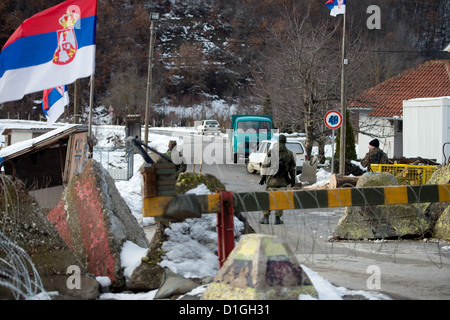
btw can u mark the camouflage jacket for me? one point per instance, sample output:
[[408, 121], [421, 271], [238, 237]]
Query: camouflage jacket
[[177, 159], [279, 180], [374, 156]]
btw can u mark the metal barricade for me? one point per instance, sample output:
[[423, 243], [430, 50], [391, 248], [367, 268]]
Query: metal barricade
[[103, 155], [406, 174]]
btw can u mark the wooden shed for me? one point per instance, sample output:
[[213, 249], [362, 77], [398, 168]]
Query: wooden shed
[[46, 163]]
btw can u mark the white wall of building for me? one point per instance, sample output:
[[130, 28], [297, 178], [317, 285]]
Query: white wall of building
[[387, 131], [426, 127], [20, 135]]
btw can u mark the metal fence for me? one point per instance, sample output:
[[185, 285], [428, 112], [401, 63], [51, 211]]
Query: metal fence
[[406, 174], [119, 162]]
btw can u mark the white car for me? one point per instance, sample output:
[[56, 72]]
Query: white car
[[208, 126], [256, 158]]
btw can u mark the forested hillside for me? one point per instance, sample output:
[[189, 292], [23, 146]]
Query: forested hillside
[[275, 53]]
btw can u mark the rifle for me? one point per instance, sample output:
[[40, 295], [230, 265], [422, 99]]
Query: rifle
[[137, 144], [282, 172]]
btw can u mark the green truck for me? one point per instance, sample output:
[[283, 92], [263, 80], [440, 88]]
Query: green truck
[[246, 133]]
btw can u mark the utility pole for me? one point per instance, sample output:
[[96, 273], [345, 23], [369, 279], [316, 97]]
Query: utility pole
[[153, 17], [343, 106]]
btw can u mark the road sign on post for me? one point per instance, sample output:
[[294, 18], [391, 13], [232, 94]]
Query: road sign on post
[[333, 119]]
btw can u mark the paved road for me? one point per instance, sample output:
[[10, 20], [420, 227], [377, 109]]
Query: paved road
[[401, 269], [407, 269]]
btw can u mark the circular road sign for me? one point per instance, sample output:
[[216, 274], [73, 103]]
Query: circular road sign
[[333, 119]]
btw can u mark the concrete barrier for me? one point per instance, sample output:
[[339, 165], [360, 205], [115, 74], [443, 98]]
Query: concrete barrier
[[260, 267], [95, 221]]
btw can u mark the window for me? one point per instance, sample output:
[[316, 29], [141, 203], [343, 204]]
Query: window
[[296, 148], [263, 147], [255, 125]]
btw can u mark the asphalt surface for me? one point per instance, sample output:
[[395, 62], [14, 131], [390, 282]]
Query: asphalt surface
[[400, 269]]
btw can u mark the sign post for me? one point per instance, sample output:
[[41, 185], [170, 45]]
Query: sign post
[[333, 120]]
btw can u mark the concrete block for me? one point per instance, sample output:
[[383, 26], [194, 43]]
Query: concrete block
[[261, 267]]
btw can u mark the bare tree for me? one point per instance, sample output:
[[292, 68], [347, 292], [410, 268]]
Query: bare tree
[[300, 72], [127, 88]]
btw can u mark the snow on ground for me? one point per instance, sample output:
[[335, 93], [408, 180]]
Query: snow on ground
[[188, 255], [191, 254], [201, 240]]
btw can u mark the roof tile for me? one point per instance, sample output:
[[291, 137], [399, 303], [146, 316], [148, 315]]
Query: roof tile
[[428, 80]]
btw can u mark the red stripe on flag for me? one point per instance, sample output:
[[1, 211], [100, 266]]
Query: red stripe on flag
[[49, 19], [45, 98]]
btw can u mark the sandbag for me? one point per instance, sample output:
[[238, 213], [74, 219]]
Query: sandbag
[[174, 284], [183, 206]]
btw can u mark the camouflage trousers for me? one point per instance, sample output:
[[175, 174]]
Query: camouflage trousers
[[278, 213]]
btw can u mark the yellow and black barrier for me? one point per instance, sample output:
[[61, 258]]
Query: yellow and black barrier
[[309, 199], [225, 203]]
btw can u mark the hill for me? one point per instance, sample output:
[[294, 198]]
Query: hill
[[221, 50]]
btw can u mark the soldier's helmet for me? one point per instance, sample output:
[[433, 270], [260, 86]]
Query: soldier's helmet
[[282, 139], [172, 143]]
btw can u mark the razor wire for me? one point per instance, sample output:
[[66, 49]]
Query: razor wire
[[310, 234], [17, 271]]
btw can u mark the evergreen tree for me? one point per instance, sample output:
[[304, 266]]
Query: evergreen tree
[[350, 150]]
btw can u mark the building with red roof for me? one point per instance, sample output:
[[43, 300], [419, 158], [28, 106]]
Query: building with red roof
[[380, 108]]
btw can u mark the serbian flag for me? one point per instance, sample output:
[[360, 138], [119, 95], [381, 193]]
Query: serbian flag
[[336, 7], [53, 103], [52, 48]]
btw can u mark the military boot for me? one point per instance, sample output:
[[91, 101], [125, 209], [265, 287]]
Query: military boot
[[278, 220], [265, 219]]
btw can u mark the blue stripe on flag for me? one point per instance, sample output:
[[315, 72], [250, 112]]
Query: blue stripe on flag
[[39, 49]]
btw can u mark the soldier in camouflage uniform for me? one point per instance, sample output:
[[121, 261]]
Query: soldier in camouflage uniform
[[375, 155], [283, 177], [177, 157]]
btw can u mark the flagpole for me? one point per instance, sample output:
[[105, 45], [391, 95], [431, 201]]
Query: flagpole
[[343, 106], [76, 102], [91, 103]]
